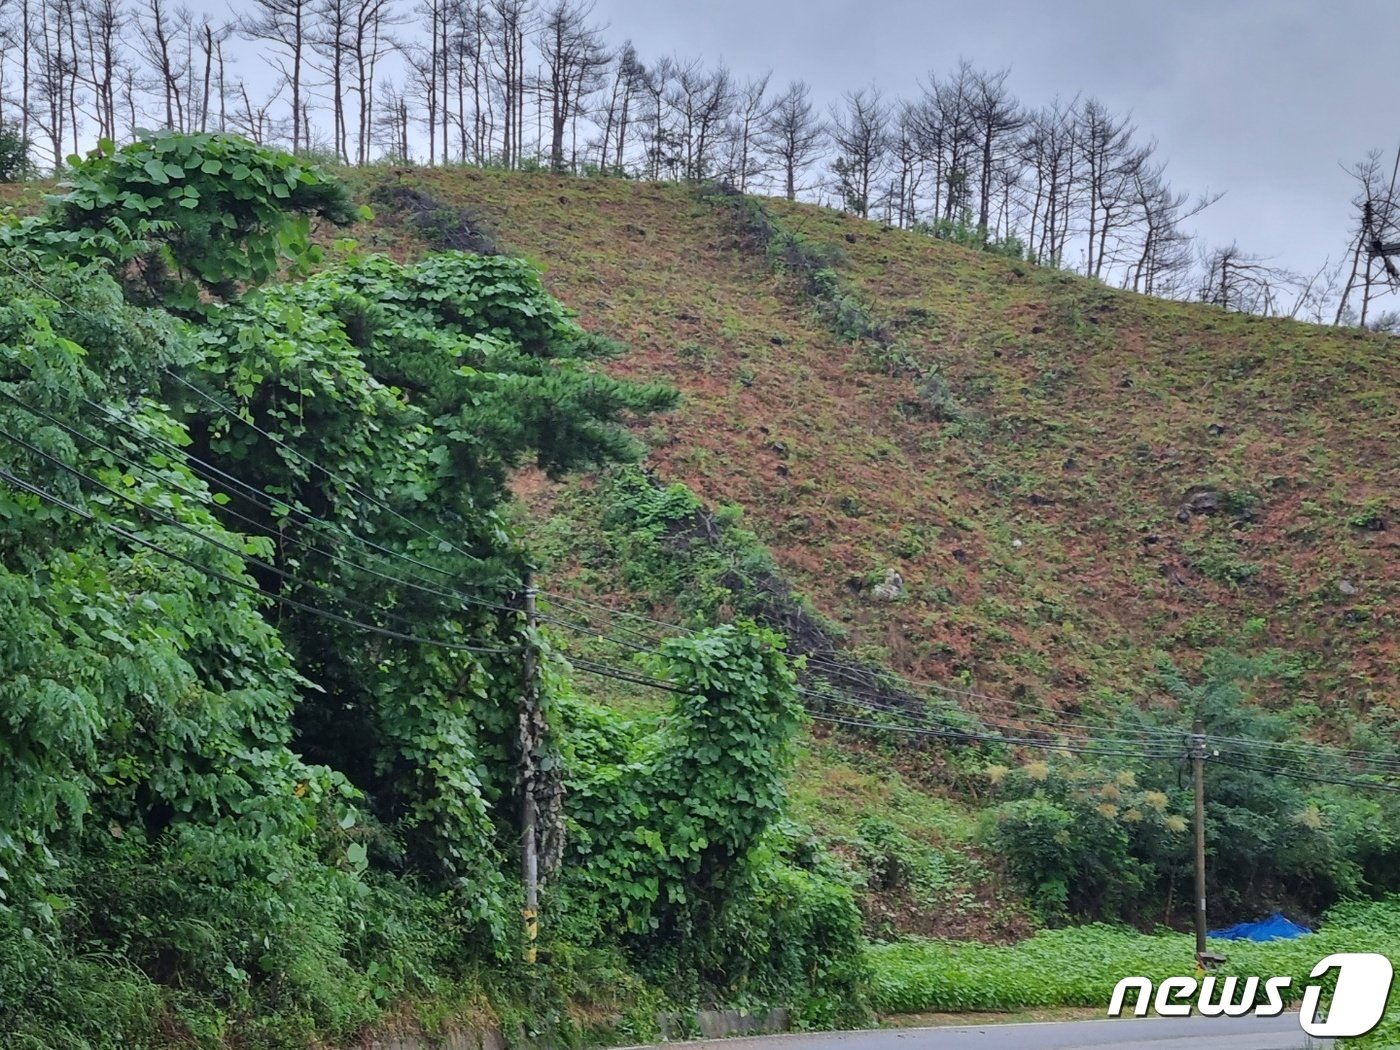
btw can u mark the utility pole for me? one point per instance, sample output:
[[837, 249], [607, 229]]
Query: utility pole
[[1198, 763], [530, 727]]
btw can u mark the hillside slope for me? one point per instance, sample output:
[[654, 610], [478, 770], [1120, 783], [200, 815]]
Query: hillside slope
[[1073, 483]]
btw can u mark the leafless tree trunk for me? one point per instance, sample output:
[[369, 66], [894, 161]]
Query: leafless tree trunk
[[102, 24], [1164, 252], [1111, 163], [909, 167], [330, 36], [159, 30], [26, 47], [860, 130], [53, 70], [627, 82], [425, 68], [284, 25], [997, 116], [255, 121], [662, 151], [1048, 146], [702, 102], [8, 41], [947, 128], [1235, 280], [391, 123], [210, 41], [574, 60], [511, 21], [754, 110], [223, 84], [1377, 224], [367, 41], [793, 134]]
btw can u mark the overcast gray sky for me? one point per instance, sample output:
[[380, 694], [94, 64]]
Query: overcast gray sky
[[1260, 98]]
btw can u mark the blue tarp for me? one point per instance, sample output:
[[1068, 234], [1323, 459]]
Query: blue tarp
[[1274, 928]]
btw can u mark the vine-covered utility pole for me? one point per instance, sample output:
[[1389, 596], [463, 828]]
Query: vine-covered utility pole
[[531, 737]]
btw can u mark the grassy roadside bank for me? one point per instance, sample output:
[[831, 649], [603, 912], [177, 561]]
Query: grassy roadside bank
[[1079, 967]]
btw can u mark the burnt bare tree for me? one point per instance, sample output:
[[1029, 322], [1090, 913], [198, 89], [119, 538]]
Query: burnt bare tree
[[53, 66], [901, 198], [996, 117], [100, 26], [628, 85], [860, 132], [753, 107], [252, 116], [1163, 256], [159, 30], [1376, 228], [1233, 279], [391, 123], [209, 40], [575, 59], [427, 66], [701, 101], [330, 40], [467, 58], [1111, 163], [663, 153], [511, 21], [1048, 149], [793, 135], [286, 27], [370, 40], [9, 41], [944, 123]]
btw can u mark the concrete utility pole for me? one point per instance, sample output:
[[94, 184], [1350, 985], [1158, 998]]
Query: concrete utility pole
[[1198, 763]]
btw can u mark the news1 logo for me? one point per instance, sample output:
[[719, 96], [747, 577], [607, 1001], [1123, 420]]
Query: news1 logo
[[1357, 1006]]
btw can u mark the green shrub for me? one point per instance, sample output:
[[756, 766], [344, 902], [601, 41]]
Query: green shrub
[[15, 162], [796, 940]]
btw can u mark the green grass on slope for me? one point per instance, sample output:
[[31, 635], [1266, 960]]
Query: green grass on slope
[[1020, 453], [1079, 420], [913, 856]]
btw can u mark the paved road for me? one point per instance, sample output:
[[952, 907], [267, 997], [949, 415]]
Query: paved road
[[1151, 1033]]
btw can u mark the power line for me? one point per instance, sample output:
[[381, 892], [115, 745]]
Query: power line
[[255, 496], [349, 485], [877, 702], [827, 668], [604, 671], [211, 473], [1151, 736], [568, 599], [180, 525], [1040, 744], [224, 577], [1310, 777], [1093, 745], [862, 678], [1305, 750]]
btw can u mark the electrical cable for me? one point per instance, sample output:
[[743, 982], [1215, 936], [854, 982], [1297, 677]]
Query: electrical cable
[[206, 498], [226, 578]]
